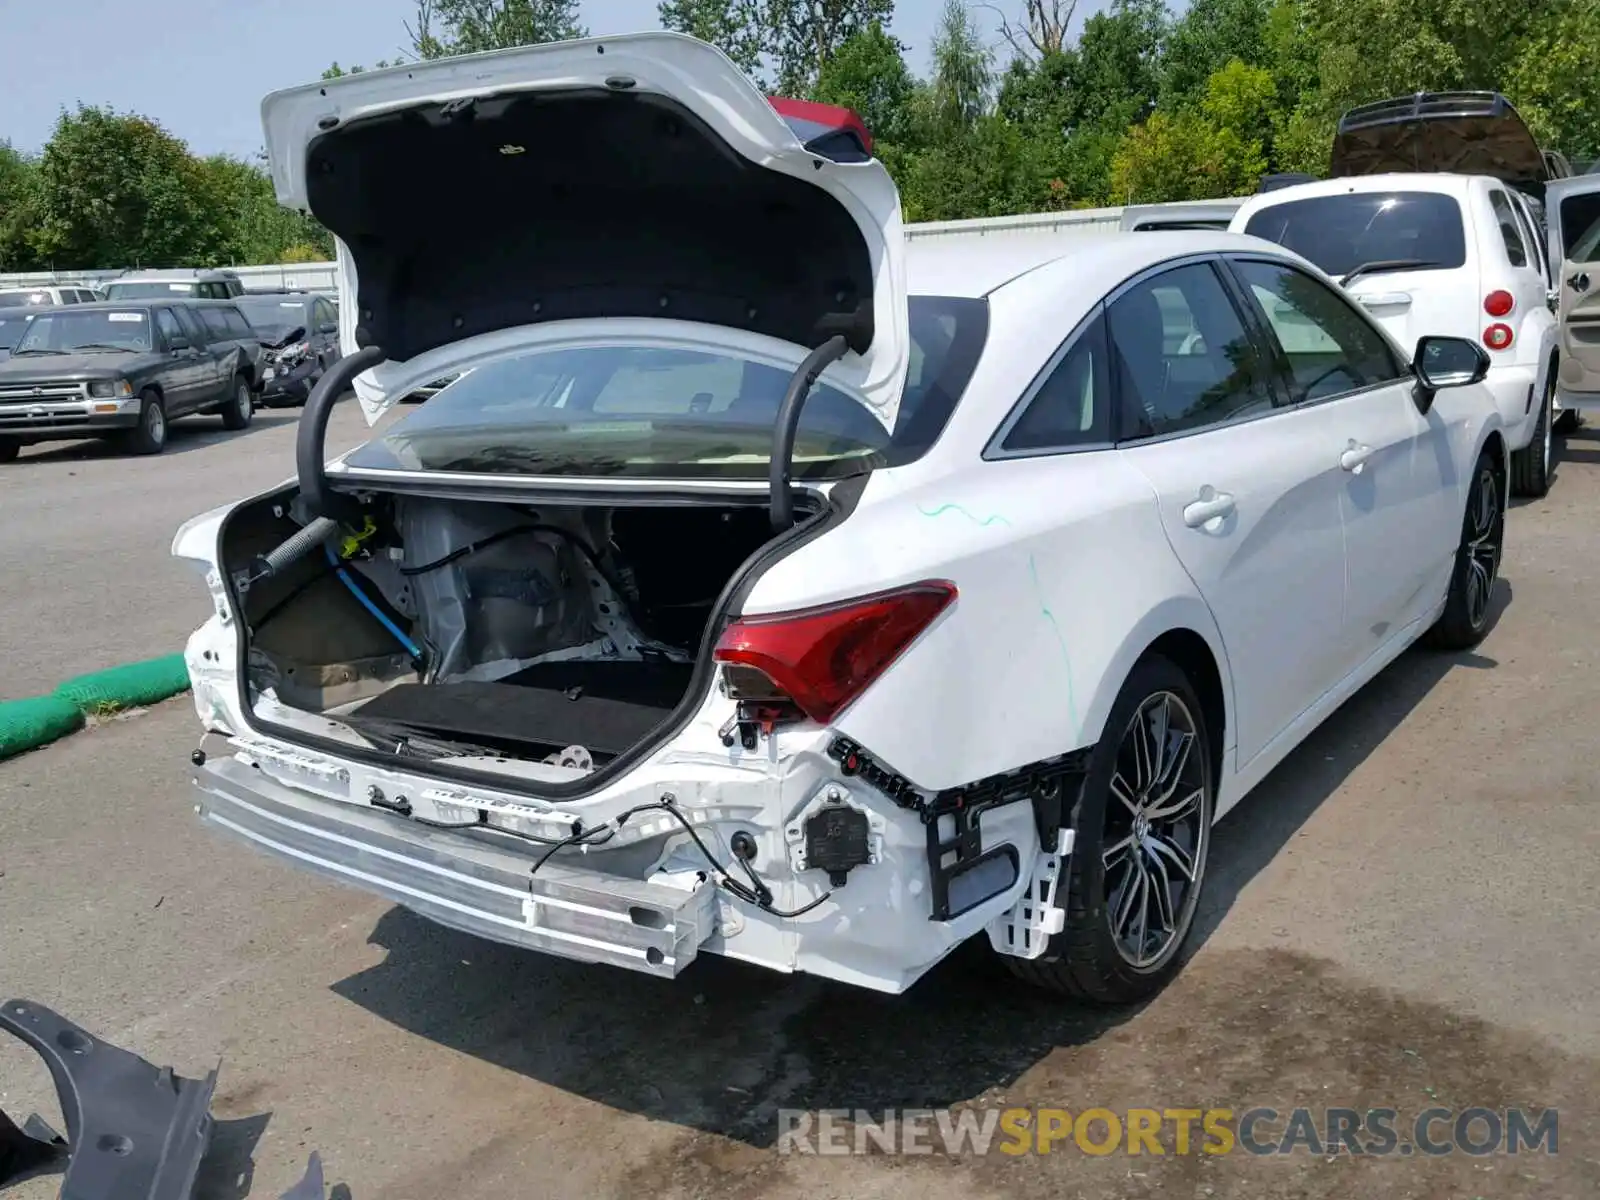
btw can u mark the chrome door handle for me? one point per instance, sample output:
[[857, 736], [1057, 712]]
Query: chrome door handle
[[1354, 458], [1208, 507]]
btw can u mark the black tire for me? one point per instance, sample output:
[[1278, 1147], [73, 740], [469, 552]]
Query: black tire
[[1530, 466], [241, 405], [1084, 961], [1567, 421], [150, 435], [9, 450], [1465, 619]]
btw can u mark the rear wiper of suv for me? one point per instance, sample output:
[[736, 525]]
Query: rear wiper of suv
[[1386, 264]]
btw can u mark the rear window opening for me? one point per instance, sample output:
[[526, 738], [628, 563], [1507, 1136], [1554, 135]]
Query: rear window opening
[[1340, 233], [624, 410]]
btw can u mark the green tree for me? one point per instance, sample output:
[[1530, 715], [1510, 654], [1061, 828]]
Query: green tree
[[739, 28], [19, 203], [117, 189], [804, 35], [256, 228], [1555, 79], [1205, 39], [963, 69], [1169, 157], [869, 75], [1118, 74], [446, 27]]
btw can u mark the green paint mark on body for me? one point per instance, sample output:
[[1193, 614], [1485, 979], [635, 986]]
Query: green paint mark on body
[[1066, 658], [995, 519]]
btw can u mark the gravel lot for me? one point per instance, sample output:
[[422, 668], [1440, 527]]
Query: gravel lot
[[1402, 915]]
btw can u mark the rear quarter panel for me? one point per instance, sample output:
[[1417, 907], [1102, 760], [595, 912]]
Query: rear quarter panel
[[1064, 575]]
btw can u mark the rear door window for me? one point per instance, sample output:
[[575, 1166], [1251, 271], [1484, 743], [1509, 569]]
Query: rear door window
[[1413, 230], [1182, 357], [192, 328], [216, 325]]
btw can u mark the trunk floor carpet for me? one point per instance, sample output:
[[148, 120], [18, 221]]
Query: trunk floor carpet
[[604, 707]]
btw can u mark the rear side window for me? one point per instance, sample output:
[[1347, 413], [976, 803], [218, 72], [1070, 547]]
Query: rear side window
[[1340, 233], [1580, 228], [1073, 405], [1506, 219]]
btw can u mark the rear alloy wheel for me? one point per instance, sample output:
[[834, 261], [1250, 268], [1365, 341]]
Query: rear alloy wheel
[[1530, 466], [150, 435], [1465, 619], [237, 412], [1142, 828]]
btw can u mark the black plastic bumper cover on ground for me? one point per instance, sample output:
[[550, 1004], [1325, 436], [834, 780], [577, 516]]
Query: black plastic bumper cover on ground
[[135, 1131]]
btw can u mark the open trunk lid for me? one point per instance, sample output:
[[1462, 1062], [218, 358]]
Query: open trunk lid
[[488, 202], [1460, 133]]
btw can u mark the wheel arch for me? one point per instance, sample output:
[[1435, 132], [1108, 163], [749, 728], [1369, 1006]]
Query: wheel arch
[[1180, 629]]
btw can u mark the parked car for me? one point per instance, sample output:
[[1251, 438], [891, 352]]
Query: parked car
[[45, 296], [12, 322], [860, 599], [1439, 253], [121, 370], [175, 284], [300, 333], [1183, 214]]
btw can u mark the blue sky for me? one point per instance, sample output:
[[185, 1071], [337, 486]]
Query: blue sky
[[200, 67]]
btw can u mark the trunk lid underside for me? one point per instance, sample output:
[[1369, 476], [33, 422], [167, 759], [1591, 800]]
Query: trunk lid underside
[[639, 176]]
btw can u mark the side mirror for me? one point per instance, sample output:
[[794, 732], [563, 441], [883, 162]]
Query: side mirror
[[1447, 362], [175, 344], [328, 327]]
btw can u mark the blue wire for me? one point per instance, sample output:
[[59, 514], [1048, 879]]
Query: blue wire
[[411, 647]]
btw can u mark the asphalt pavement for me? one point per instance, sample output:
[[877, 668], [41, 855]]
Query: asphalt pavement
[[85, 533], [1402, 915]]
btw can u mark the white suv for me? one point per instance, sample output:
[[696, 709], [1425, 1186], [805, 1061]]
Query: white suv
[[1438, 254], [47, 295]]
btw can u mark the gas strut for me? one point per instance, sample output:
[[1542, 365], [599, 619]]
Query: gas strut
[[325, 508], [783, 434]]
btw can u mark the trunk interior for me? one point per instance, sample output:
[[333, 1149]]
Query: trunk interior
[[555, 633]]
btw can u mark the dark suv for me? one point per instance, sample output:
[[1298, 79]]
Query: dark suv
[[124, 370], [300, 335]]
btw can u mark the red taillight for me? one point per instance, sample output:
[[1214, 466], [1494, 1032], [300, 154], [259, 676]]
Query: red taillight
[[1498, 336], [1499, 303], [823, 658], [818, 125]]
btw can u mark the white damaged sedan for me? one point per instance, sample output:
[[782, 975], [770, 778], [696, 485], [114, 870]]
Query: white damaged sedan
[[762, 588]]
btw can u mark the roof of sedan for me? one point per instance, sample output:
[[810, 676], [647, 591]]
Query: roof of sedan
[[959, 268]]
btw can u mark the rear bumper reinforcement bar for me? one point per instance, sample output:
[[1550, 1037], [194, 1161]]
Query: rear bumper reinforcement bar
[[472, 882]]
